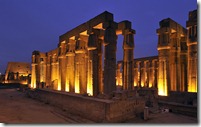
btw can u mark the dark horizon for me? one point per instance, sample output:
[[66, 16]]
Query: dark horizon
[[37, 25]]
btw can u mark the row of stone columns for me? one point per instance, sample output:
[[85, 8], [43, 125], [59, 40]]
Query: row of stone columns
[[77, 66], [145, 73]]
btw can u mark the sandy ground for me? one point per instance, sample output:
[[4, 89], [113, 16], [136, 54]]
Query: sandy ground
[[16, 107]]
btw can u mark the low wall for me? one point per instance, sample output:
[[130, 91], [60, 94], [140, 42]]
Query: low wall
[[186, 98], [98, 110], [180, 108]]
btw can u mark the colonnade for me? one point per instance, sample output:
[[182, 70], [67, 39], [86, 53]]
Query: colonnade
[[77, 65]]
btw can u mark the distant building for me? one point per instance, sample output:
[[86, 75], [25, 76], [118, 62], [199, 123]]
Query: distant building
[[18, 72]]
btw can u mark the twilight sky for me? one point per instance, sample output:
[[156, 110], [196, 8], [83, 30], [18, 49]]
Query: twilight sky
[[28, 25]]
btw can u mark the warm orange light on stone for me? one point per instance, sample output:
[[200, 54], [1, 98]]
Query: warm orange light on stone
[[67, 86], [192, 87], [90, 89], [162, 88], [59, 86], [77, 87]]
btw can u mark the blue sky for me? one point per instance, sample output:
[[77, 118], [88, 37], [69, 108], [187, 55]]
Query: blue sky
[[28, 25]]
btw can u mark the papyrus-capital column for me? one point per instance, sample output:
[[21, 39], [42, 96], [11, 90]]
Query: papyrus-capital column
[[110, 41], [128, 65], [70, 66], [80, 67]]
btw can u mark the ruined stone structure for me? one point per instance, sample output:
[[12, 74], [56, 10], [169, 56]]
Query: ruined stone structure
[[175, 67], [18, 72], [145, 72], [172, 52], [77, 66], [192, 44]]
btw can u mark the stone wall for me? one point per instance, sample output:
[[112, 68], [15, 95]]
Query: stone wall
[[98, 110], [186, 98], [179, 108]]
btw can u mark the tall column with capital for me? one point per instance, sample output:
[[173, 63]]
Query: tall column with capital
[[80, 67], [192, 44], [62, 65], [128, 65], [93, 75], [70, 66], [110, 41]]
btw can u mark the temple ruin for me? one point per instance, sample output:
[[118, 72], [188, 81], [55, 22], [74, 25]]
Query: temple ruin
[[76, 64], [175, 67], [85, 60]]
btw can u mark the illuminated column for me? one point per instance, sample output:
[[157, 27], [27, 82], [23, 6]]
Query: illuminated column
[[163, 57], [110, 40], [34, 71], [93, 76], [139, 73], [80, 67], [192, 44], [42, 71], [33, 75], [175, 64], [142, 74], [54, 72], [156, 73], [135, 74], [151, 74], [128, 47], [70, 67], [48, 72], [118, 74], [146, 73], [62, 65]]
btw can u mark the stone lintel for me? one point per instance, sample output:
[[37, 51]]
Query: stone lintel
[[110, 24], [103, 17], [172, 25]]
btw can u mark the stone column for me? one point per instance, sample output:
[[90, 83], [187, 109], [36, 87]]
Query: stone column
[[54, 73], [142, 74], [110, 40], [100, 66], [175, 72], [192, 44], [128, 47], [135, 74], [139, 74], [33, 75], [62, 65], [93, 77], [163, 57], [155, 73], [48, 72], [34, 71], [118, 74], [146, 73], [80, 66], [70, 67]]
